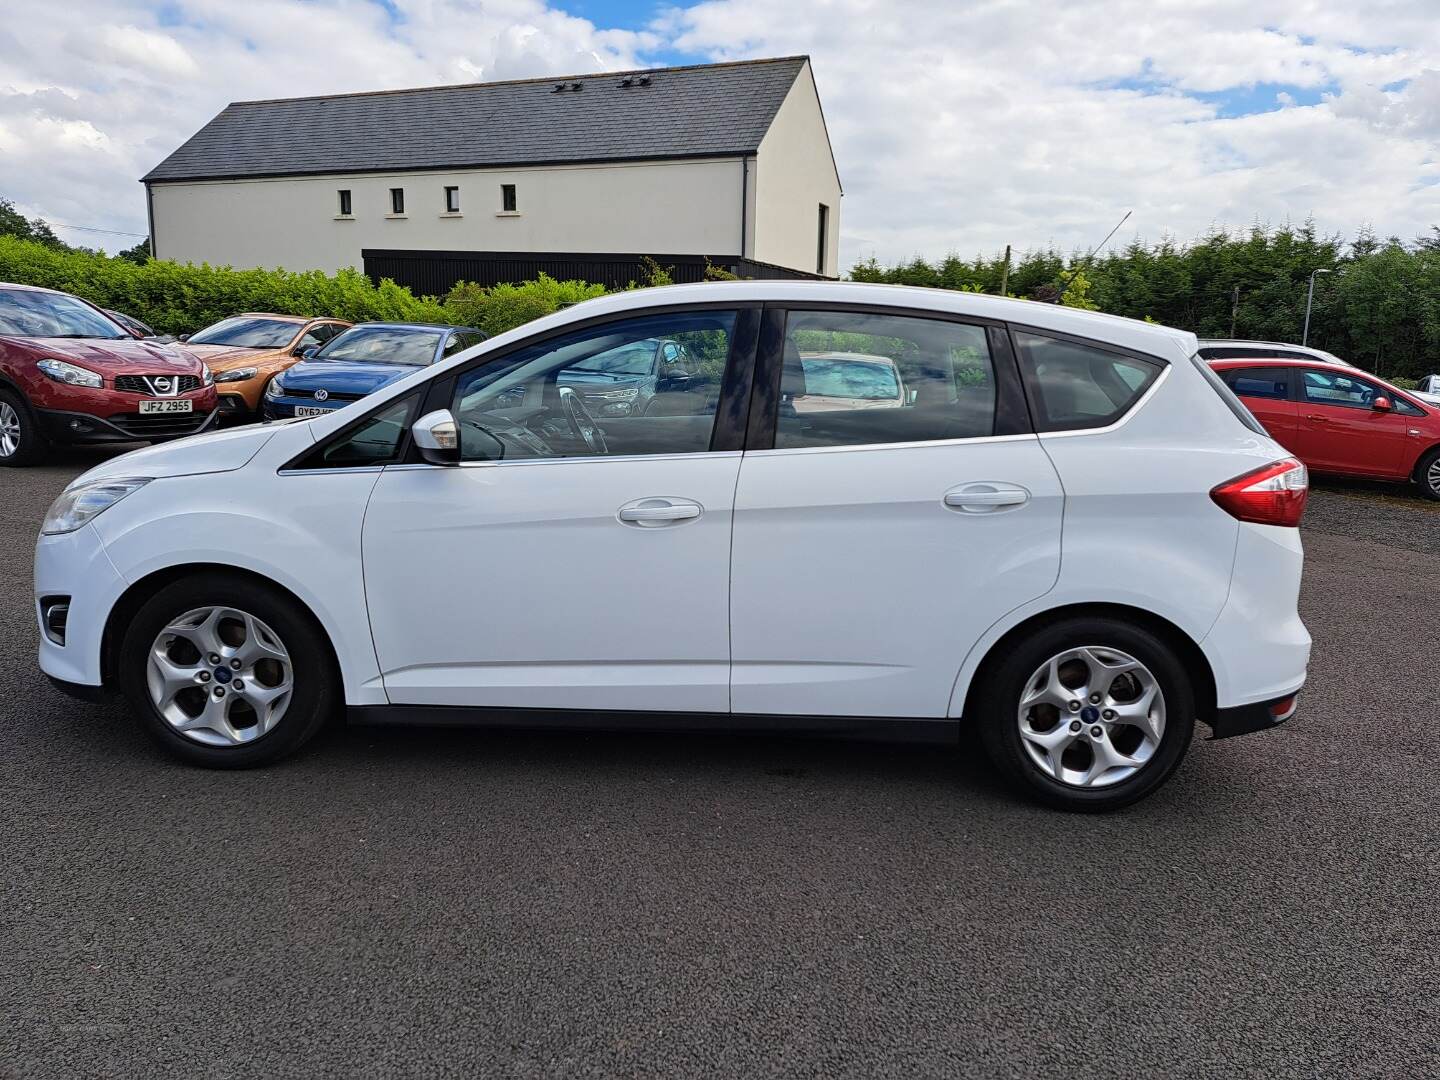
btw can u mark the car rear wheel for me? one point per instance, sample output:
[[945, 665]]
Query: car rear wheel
[[227, 673], [21, 441], [1088, 714]]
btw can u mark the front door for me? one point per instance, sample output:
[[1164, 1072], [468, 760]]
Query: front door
[[573, 561], [888, 527], [1340, 430]]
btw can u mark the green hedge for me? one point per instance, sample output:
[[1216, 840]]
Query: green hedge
[[178, 298]]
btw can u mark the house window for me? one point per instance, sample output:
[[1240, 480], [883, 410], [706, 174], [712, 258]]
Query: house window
[[507, 198], [344, 203], [397, 200], [452, 200], [820, 252]]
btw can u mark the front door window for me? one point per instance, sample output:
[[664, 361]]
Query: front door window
[[598, 392]]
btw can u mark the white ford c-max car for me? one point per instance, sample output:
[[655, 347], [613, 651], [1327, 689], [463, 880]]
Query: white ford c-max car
[[1070, 539]]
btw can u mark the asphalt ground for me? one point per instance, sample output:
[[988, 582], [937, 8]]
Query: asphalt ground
[[406, 903]]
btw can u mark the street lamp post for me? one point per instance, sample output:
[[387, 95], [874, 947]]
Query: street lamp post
[[1310, 299]]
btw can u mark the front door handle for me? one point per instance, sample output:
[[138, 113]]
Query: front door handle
[[1317, 418], [986, 497], [658, 512]]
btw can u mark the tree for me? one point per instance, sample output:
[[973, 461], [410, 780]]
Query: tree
[[14, 223], [139, 254]]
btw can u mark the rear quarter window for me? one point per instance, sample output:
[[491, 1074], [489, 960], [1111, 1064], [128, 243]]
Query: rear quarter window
[[1073, 386], [1233, 403]]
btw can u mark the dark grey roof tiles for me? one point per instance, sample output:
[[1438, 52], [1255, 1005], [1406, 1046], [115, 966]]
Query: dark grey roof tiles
[[706, 110]]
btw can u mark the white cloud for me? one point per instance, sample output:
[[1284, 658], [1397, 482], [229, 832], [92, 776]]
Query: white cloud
[[958, 124]]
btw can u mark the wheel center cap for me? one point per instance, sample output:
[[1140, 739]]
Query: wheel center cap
[[222, 674], [1090, 714]]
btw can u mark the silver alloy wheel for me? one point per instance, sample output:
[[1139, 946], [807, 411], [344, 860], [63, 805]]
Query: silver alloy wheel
[[1091, 717], [1432, 474], [219, 676], [9, 429]]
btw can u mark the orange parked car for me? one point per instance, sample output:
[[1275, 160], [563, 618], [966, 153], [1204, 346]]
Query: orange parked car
[[246, 351]]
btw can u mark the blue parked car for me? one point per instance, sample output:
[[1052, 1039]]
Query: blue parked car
[[358, 362]]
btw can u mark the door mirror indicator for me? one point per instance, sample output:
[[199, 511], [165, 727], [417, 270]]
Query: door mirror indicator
[[437, 437], [1382, 404]]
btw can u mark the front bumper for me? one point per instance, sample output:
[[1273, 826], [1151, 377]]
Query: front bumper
[[75, 565], [74, 427], [284, 408]]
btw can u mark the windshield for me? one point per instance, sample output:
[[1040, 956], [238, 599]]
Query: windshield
[[849, 379], [52, 315], [636, 358], [249, 332], [383, 345]]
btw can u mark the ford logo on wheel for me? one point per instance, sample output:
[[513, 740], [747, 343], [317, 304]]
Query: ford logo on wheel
[[321, 395]]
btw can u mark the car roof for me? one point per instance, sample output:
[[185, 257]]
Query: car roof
[[1152, 338], [31, 288]]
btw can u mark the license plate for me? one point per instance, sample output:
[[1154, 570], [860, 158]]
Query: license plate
[[310, 410], [173, 405]]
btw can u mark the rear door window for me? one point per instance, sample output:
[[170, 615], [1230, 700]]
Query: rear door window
[[1259, 382], [851, 378], [1073, 386]]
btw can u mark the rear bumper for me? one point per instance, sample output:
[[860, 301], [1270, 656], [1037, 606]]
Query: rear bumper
[[1258, 648], [1259, 716]]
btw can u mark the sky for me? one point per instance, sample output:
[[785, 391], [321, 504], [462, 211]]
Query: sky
[[958, 125]]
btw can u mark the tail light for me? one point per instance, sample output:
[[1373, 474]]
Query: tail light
[[1272, 495]]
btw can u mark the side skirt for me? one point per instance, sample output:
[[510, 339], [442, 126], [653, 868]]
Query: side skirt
[[945, 731]]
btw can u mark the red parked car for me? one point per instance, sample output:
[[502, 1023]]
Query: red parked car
[[1340, 420], [71, 374]]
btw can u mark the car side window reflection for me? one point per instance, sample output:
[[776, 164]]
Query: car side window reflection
[[855, 378], [605, 391], [377, 440]]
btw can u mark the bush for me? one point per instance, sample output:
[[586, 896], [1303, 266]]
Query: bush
[[179, 299], [504, 307]]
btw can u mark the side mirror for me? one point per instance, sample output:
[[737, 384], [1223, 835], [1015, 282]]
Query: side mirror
[[183, 337], [308, 352], [437, 437], [1382, 404]]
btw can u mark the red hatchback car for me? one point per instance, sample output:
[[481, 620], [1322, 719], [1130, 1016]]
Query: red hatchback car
[[1339, 420], [71, 374]]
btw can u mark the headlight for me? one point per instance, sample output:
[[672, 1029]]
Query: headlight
[[81, 503], [239, 374], [60, 371], [209, 376], [275, 388]]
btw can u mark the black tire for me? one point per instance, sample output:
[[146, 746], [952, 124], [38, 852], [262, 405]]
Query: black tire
[[998, 703], [316, 693], [1429, 482], [34, 446]]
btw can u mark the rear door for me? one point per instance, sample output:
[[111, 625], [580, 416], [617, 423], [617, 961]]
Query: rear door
[[1340, 430], [1266, 390], [878, 535]]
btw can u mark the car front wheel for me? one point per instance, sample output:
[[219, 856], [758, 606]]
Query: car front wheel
[[21, 441], [1428, 473], [1088, 714], [227, 673]]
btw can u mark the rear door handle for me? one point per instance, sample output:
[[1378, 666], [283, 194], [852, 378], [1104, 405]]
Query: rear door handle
[[986, 497], [1317, 418], [658, 512]]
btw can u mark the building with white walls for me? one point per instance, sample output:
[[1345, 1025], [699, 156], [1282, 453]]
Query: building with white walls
[[580, 177]]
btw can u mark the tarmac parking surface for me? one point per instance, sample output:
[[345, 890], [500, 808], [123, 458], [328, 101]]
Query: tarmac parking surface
[[399, 903]]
